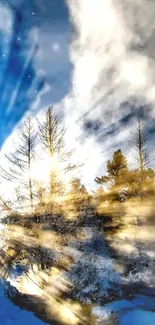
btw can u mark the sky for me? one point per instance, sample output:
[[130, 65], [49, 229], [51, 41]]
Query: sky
[[34, 58], [94, 60]]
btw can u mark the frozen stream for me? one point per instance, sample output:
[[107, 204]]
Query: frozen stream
[[11, 314], [140, 310]]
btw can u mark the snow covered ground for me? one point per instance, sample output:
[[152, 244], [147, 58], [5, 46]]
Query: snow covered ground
[[140, 310], [11, 314], [92, 274]]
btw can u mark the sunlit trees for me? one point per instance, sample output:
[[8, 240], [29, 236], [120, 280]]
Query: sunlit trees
[[40, 193], [142, 178], [19, 162], [116, 171], [33, 157], [51, 135], [115, 183], [77, 198]]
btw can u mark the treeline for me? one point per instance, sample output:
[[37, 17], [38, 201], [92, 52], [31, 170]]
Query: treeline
[[121, 184], [124, 182], [127, 190]]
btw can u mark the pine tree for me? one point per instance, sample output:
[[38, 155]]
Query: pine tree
[[115, 169], [77, 197], [116, 178]]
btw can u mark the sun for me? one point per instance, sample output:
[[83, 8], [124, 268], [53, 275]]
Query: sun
[[41, 170]]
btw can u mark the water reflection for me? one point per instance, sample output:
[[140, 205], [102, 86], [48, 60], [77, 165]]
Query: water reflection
[[62, 268]]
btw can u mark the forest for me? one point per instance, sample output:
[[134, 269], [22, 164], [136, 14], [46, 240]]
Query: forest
[[67, 250]]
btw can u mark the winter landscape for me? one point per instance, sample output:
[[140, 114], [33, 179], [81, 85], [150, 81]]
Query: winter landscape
[[77, 162]]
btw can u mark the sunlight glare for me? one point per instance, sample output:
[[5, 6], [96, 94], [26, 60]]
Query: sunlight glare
[[42, 169]]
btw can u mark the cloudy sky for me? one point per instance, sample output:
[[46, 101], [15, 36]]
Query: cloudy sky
[[94, 60]]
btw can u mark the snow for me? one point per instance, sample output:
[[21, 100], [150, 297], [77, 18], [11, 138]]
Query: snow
[[115, 306], [16, 271], [93, 275], [137, 311], [11, 314]]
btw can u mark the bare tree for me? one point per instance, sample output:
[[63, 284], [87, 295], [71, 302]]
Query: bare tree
[[52, 135], [140, 146], [20, 161], [5, 206]]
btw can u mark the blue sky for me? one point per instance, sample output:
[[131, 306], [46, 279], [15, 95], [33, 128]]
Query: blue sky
[[35, 67]]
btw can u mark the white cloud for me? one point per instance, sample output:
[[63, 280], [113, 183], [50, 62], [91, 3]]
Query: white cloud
[[112, 63], [102, 55], [6, 19]]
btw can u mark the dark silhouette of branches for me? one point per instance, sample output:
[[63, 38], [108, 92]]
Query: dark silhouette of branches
[[20, 161], [139, 144]]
